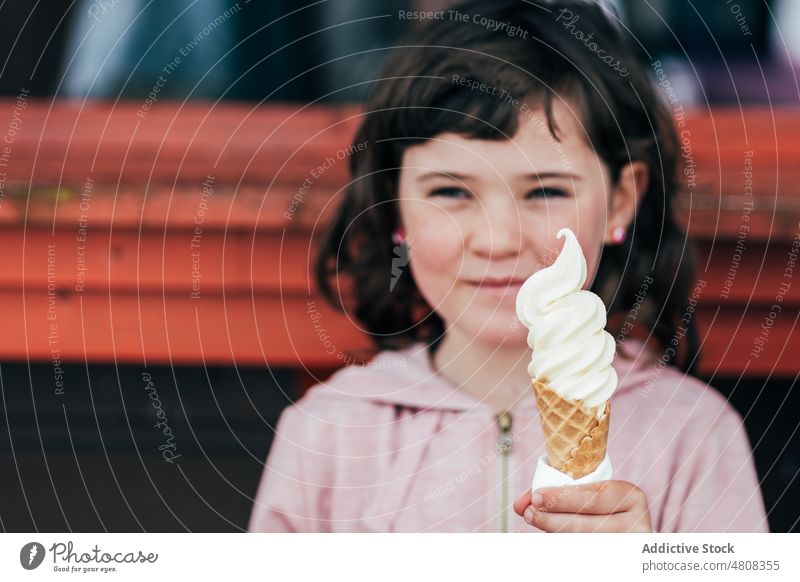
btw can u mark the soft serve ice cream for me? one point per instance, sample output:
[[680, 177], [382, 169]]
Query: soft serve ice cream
[[571, 370], [572, 352]]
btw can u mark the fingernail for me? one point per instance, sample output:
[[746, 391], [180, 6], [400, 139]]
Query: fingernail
[[537, 500], [528, 515]]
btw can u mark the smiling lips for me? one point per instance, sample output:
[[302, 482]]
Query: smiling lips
[[498, 286]]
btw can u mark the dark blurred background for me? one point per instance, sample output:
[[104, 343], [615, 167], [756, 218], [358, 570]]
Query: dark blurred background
[[285, 50]]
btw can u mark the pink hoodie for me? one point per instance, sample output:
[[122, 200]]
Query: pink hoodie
[[394, 447]]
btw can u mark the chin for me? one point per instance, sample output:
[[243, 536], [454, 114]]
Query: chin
[[500, 327]]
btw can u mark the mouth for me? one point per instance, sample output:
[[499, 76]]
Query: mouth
[[497, 286]]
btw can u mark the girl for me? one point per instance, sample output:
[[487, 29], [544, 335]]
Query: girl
[[480, 145]]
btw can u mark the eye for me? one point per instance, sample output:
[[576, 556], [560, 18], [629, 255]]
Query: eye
[[450, 192], [546, 193]]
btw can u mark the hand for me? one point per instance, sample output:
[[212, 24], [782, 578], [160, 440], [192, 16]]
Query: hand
[[604, 506]]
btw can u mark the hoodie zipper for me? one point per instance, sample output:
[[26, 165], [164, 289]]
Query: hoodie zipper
[[504, 446]]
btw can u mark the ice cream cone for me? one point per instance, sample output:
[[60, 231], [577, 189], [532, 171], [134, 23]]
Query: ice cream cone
[[576, 438]]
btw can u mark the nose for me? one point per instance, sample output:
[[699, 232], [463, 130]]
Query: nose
[[496, 231]]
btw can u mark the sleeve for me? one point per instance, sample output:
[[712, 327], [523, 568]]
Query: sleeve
[[716, 489], [291, 494]]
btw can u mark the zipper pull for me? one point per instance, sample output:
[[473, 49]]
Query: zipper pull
[[506, 441], [504, 449]]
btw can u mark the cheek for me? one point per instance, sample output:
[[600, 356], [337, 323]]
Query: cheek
[[437, 250], [591, 236], [587, 218]]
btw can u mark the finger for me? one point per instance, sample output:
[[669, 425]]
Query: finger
[[602, 497], [522, 502], [583, 523]]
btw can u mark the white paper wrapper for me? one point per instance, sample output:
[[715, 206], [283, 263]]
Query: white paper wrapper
[[547, 476]]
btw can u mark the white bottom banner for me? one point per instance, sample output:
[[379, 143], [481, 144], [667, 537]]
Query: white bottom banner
[[416, 557]]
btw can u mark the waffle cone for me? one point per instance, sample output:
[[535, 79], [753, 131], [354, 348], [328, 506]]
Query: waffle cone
[[576, 438]]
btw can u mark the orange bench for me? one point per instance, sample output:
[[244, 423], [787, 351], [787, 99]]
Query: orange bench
[[115, 253]]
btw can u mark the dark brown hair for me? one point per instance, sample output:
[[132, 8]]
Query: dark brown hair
[[536, 56]]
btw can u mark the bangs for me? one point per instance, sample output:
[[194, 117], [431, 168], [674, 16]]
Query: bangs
[[480, 93]]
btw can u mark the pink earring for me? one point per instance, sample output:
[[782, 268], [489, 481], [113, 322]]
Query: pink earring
[[398, 236], [618, 234]]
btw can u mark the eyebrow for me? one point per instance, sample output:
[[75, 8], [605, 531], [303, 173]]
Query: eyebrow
[[464, 177]]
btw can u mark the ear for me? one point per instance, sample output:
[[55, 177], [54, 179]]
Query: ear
[[626, 195]]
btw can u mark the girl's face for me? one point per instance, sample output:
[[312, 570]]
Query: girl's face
[[481, 216]]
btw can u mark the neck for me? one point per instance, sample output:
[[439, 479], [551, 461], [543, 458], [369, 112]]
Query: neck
[[496, 374]]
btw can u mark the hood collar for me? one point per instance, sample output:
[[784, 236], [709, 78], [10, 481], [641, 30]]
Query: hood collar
[[413, 382]]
